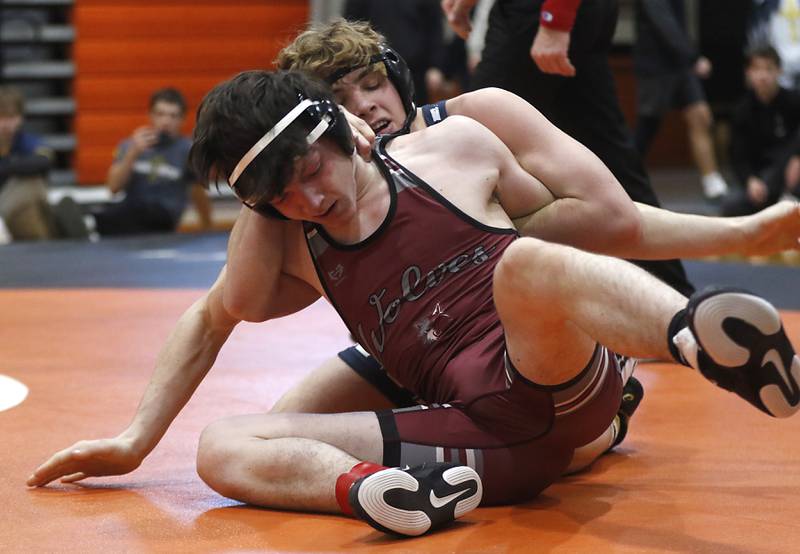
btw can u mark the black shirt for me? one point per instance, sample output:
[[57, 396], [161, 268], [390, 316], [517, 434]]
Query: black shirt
[[762, 133]]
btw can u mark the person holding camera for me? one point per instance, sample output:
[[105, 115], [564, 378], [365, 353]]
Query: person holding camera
[[151, 168]]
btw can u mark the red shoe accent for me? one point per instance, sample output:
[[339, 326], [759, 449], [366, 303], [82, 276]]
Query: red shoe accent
[[346, 480]]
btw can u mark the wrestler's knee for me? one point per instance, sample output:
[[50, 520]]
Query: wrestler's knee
[[529, 267], [216, 457]]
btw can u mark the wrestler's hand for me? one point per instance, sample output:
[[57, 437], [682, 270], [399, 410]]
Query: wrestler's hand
[[93, 458], [457, 13], [772, 230], [549, 52], [363, 135]]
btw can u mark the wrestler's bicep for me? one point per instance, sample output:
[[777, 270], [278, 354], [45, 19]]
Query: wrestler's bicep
[[520, 193]]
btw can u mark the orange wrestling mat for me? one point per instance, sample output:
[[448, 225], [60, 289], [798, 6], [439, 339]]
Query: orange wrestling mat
[[700, 470]]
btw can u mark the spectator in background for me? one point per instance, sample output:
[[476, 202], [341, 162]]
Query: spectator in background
[[151, 168], [777, 23], [765, 150], [668, 72], [24, 164], [412, 27]]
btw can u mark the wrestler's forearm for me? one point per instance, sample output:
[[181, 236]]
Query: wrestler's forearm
[[663, 234], [586, 225], [667, 235], [182, 364]]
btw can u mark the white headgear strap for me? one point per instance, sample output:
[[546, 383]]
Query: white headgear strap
[[270, 135]]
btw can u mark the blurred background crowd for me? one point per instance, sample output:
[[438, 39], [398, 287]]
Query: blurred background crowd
[[97, 99]]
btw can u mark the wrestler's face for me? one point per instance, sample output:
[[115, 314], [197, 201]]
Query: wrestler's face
[[369, 94], [322, 187], [762, 76]]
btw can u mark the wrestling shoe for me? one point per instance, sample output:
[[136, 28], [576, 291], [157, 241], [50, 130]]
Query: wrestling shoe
[[742, 348], [416, 500], [632, 394]]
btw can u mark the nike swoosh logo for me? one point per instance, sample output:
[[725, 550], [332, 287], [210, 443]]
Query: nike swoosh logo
[[437, 502], [773, 357]]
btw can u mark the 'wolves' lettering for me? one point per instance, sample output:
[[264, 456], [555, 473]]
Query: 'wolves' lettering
[[414, 285]]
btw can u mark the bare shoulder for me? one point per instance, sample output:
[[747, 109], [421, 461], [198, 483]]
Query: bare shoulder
[[483, 103], [455, 135], [516, 122]]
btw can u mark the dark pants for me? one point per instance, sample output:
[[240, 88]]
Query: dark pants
[[585, 106], [132, 217], [773, 175]]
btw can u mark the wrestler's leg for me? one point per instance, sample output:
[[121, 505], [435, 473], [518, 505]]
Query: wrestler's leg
[[332, 387], [330, 463], [554, 301], [287, 461], [557, 302], [350, 382]]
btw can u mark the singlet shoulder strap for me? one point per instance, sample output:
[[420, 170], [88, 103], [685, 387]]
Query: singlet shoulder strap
[[397, 175]]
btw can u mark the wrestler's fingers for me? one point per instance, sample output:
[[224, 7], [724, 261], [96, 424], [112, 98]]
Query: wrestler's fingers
[[365, 131], [59, 464], [794, 212], [363, 135], [363, 147], [74, 477], [43, 476]]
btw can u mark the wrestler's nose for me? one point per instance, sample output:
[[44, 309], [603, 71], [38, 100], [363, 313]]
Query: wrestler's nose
[[361, 105], [312, 200]]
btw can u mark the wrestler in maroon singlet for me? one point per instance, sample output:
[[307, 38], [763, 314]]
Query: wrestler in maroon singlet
[[417, 294]]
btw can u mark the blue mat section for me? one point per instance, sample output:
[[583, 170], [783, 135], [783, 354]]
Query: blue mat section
[[152, 261], [194, 260], [778, 284]]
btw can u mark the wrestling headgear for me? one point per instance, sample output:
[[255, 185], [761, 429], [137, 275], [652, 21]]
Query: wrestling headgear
[[399, 74], [320, 118]]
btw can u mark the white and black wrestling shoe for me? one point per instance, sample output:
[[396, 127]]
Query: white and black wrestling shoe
[[416, 500], [744, 349]]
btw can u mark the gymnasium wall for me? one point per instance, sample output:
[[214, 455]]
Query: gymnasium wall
[[125, 49]]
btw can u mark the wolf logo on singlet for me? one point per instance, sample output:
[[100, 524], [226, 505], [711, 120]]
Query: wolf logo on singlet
[[417, 294]]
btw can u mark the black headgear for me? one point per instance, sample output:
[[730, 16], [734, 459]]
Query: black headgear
[[399, 74], [320, 118]]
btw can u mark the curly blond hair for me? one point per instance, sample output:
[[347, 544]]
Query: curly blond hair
[[323, 49]]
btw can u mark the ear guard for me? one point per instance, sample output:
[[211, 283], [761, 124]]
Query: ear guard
[[322, 117], [398, 72]]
